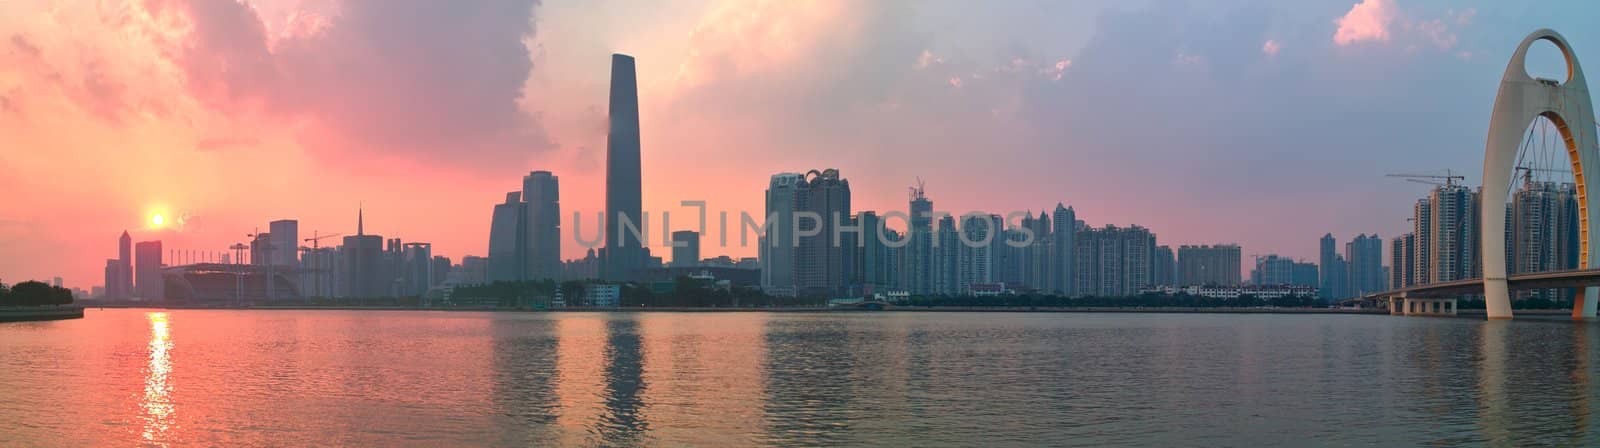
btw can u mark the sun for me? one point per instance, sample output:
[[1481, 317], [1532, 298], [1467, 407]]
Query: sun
[[157, 221]]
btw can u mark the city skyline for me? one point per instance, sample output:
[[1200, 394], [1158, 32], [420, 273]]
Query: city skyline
[[324, 169]]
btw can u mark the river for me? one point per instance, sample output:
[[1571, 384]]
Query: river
[[412, 378]]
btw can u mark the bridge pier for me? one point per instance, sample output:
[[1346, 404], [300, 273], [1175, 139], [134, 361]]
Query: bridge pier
[[1497, 297], [1404, 306], [1583, 303]]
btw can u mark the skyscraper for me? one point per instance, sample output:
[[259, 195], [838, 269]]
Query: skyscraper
[[416, 269], [508, 256], [685, 249], [285, 242], [125, 254], [1163, 269], [1037, 255], [1365, 255], [1422, 230], [919, 257], [1113, 261], [1273, 270], [1402, 253], [1063, 244], [1328, 286], [1209, 265], [119, 272], [1453, 233], [147, 268], [946, 257], [1305, 274], [874, 267], [976, 252], [624, 252], [362, 257], [541, 191], [821, 266], [1543, 231], [777, 249]]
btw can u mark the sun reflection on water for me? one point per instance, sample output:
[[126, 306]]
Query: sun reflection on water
[[157, 404]]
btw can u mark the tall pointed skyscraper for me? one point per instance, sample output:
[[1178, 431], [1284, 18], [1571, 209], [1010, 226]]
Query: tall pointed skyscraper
[[624, 252], [125, 270]]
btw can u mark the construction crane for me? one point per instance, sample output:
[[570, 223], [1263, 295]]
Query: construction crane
[[1527, 172], [1449, 178], [238, 252], [315, 238]]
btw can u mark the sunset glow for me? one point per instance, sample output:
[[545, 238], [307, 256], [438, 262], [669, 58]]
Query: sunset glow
[[231, 109]]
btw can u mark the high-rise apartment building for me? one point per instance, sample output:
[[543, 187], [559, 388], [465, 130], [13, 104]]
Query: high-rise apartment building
[[1113, 261], [1036, 255], [1063, 256], [976, 264], [1543, 231], [1305, 274], [1273, 270], [1453, 233], [1364, 253], [1216, 265], [1163, 267], [919, 268], [947, 257], [1402, 256], [1330, 283]]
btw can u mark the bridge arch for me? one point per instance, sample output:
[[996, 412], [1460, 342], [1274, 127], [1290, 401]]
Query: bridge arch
[[1522, 99]]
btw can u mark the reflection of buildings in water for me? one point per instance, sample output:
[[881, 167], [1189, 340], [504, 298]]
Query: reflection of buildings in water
[[157, 402], [705, 376], [621, 423], [525, 360], [806, 392], [580, 345]]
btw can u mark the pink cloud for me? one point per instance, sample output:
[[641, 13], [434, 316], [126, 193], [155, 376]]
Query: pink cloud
[[434, 80], [1271, 47], [1367, 21]]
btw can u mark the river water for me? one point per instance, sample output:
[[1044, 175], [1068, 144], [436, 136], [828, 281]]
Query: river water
[[404, 378]]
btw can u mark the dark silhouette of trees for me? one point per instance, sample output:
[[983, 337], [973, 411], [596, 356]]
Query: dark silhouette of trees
[[34, 293]]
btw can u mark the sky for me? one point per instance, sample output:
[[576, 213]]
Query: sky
[[1255, 122]]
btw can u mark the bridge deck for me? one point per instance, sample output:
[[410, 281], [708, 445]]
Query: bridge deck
[[1573, 278]]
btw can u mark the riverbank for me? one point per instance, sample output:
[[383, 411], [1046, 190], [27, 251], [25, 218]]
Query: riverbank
[[38, 313]]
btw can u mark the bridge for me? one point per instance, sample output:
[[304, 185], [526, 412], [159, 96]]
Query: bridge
[[1521, 100], [1438, 298]]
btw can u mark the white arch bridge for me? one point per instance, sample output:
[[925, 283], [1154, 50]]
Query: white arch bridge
[[1523, 99]]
